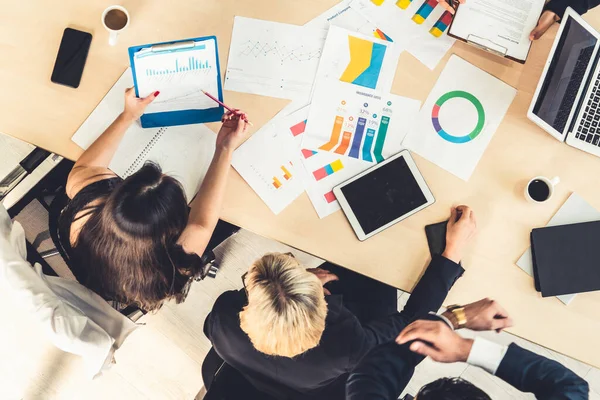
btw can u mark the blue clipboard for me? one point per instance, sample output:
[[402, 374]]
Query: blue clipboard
[[180, 117]]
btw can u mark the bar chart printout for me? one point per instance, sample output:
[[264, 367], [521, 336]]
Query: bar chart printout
[[269, 161], [180, 75], [191, 65]]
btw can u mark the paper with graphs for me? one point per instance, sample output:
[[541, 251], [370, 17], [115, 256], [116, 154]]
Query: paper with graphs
[[418, 26], [273, 59]]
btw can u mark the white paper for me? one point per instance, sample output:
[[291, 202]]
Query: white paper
[[346, 17], [506, 24], [273, 59], [476, 104], [348, 103], [269, 162], [399, 25], [185, 152], [180, 75], [319, 185], [574, 211]]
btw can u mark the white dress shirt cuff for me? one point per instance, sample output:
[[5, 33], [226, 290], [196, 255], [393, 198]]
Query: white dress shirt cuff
[[446, 320], [487, 355]]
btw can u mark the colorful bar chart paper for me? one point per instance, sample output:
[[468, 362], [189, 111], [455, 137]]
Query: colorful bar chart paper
[[383, 127], [286, 173], [358, 135], [328, 169], [366, 59], [368, 146], [335, 134], [424, 11], [441, 25], [299, 128], [308, 153], [379, 34], [276, 182], [343, 147], [403, 4], [330, 197]]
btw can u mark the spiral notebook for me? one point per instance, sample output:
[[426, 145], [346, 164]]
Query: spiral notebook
[[184, 152]]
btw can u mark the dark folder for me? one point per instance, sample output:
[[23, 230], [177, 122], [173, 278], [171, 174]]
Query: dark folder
[[566, 258]]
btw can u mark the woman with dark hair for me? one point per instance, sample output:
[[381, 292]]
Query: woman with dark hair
[[135, 241]]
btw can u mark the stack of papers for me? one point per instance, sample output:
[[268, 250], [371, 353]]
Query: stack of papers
[[351, 99], [338, 71]]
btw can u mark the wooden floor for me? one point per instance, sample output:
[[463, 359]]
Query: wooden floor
[[162, 360]]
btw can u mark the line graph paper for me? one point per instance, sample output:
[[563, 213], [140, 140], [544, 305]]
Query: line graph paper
[[278, 51], [273, 59]]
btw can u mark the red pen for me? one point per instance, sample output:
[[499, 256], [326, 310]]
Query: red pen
[[225, 106]]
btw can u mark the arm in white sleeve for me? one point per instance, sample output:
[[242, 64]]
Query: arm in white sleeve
[[487, 355]]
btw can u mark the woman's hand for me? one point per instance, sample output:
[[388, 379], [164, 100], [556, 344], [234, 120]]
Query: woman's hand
[[134, 106], [547, 19], [461, 229], [233, 131]]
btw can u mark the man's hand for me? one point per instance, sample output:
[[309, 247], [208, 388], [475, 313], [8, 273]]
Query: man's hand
[[324, 276], [461, 229], [436, 340], [547, 19], [485, 315]]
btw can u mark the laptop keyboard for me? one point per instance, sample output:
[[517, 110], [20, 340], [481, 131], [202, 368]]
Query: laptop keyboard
[[588, 129], [573, 86]]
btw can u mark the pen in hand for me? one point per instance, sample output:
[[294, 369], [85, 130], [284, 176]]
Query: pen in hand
[[225, 106]]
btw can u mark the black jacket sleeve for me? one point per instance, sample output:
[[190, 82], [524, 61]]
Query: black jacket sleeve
[[383, 373], [581, 6], [546, 379], [428, 296]]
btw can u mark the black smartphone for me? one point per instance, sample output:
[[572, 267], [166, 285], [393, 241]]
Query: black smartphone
[[71, 57]]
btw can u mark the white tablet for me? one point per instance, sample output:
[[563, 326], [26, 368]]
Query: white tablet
[[384, 195]]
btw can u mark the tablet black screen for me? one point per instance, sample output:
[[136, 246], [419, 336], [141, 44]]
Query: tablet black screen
[[384, 195]]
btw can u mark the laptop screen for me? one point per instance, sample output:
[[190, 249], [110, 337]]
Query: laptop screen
[[565, 74]]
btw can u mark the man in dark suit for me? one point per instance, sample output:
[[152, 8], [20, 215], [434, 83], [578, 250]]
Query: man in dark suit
[[262, 332], [386, 370]]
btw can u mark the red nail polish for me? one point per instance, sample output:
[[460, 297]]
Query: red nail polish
[[156, 93]]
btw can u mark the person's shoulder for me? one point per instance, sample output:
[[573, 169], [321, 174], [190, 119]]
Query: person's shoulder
[[341, 325], [231, 300], [225, 311]]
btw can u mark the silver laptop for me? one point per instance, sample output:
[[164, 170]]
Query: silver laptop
[[566, 103]]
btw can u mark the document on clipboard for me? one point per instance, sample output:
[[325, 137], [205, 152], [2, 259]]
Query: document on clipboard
[[180, 71], [499, 27]]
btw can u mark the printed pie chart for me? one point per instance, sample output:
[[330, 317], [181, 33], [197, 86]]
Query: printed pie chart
[[453, 138]]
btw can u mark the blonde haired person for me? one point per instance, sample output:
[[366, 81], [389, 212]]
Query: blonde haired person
[[292, 338], [286, 310]]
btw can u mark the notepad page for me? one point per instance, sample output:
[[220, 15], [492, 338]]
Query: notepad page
[[185, 152]]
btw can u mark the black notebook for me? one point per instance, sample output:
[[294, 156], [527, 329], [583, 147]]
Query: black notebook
[[566, 258]]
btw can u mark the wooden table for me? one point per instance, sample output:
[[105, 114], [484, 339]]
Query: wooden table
[[47, 115]]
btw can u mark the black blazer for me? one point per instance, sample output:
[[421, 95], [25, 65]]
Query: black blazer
[[343, 343], [384, 373], [581, 6]]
